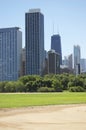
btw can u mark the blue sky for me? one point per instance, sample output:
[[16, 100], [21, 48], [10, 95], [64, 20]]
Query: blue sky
[[68, 17]]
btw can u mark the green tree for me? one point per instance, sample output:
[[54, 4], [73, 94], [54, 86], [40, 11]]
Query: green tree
[[45, 89], [2, 86], [57, 86], [76, 89], [19, 86], [10, 87], [76, 82]]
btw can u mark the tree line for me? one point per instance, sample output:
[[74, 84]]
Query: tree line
[[48, 83]]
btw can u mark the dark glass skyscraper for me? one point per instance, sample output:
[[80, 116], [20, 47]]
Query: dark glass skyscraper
[[34, 38], [56, 45]]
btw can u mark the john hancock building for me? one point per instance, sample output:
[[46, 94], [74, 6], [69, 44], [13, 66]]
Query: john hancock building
[[56, 45], [34, 38], [10, 53]]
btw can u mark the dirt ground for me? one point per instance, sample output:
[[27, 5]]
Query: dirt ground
[[58, 117]]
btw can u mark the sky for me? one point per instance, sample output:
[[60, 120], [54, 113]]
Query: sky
[[66, 17]]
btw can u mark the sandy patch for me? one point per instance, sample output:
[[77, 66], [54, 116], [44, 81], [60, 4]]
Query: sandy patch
[[60, 117]]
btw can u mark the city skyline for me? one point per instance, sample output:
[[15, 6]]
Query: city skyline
[[66, 17]]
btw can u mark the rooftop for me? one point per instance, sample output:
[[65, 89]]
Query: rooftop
[[34, 10]]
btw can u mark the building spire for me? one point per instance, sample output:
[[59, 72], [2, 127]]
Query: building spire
[[58, 29], [53, 28]]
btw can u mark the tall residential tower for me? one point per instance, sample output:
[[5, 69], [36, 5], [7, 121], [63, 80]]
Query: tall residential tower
[[34, 40], [10, 53]]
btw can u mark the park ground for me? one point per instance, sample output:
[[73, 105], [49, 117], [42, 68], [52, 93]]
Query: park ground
[[51, 117]]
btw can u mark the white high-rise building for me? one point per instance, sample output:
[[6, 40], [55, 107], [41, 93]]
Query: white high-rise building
[[77, 57], [10, 53]]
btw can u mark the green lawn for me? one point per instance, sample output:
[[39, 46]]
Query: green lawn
[[37, 99]]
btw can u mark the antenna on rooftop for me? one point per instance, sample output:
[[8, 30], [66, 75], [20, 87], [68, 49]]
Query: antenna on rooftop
[[53, 27], [57, 29]]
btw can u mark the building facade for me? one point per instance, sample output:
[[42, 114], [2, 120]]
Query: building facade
[[83, 65], [34, 40], [77, 57], [53, 62], [23, 62], [56, 45], [68, 61], [45, 71], [10, 53]]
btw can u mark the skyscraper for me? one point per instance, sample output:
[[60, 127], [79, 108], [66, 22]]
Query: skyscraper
[[56, 45], [34, 40], [53, 62], [10, 53], [77, 57]]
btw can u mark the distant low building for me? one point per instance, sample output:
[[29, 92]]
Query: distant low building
[[53, 62], [77, 57], [83, 65], [45, 71], [68, 62]]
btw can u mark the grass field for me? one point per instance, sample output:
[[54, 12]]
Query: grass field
[[13, 100]]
